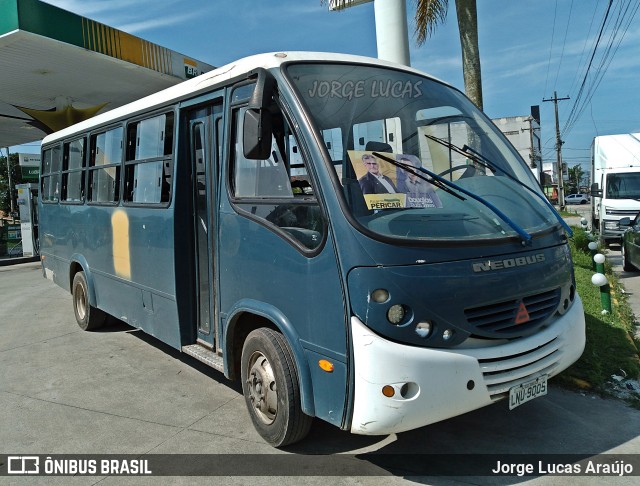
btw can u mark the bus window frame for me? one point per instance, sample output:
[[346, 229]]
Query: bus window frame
[[57, 145], [66, 172], [235, 106], [170, 158], [118, 166]]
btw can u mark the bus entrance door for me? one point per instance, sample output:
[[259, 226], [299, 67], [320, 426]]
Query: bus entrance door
[[204, 158]]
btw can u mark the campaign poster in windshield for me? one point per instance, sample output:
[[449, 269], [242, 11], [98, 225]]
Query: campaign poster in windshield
[[387, 186]]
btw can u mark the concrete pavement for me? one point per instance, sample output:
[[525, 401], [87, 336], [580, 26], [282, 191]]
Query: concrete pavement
[[119, 391]]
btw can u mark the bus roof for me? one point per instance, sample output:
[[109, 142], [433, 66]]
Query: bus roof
[[213, 78]]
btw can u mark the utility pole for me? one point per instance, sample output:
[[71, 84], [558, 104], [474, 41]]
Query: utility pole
[[392, 35], [559, 143], [535, 161]]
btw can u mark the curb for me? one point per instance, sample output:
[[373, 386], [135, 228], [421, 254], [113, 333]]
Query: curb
[[6, 261]]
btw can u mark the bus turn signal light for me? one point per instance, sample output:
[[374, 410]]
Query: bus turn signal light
[[388, 391], [326, 365]]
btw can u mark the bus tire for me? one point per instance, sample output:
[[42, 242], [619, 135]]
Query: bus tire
[[271, 388], [89, 318]]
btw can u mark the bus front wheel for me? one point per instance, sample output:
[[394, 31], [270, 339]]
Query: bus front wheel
[[271, 389], [88, 317]]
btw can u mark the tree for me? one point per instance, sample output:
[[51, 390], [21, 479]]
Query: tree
[[575, 176], [16, 178], [430, 13]]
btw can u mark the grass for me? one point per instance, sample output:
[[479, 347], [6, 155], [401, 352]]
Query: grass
[[568, 212], [610, 348]]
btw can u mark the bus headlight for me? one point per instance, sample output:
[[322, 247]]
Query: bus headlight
[[380, 296], [396, 314]]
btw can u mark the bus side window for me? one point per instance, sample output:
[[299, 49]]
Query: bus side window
[[278, 189], [104, 166], [260, 178], [148, 166], [73, 171], [50, 175]]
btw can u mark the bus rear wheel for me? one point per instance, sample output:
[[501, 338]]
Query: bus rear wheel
[[89, 318], [271, 389]]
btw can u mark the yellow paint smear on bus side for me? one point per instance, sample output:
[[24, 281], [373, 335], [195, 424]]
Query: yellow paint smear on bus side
[[121, 255]]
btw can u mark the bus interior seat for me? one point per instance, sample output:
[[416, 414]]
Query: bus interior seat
[[375, 146]]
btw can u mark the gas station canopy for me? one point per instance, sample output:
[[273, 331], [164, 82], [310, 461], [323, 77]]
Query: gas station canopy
[[58, 68]]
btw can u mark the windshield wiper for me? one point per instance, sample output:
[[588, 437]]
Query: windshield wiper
[[481, 160], [441, 182], [412, 169]]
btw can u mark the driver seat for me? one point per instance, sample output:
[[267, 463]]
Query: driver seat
[[374, 146]]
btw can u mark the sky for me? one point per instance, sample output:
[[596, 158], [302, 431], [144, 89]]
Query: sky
[[528, 51]]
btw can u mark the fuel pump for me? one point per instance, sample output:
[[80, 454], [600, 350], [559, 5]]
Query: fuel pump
[[28, 205]]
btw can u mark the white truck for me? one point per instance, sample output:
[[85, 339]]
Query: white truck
[[615, 177]]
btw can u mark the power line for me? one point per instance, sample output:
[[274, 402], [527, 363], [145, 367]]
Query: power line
[[586, 74], [621, 24], [564, 42], [584, 47], [553, 32]]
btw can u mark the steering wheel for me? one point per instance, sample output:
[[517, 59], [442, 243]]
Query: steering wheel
[[469, 172]]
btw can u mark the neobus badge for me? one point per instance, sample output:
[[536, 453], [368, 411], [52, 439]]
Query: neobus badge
[[508, 263]]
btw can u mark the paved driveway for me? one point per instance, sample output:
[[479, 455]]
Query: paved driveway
[[64, 391]]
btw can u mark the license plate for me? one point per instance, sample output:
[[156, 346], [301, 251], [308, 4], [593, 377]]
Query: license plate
[[527, 391]]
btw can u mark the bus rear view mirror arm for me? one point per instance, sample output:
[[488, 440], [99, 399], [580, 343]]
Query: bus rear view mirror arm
[[263, 92], [257, 126]]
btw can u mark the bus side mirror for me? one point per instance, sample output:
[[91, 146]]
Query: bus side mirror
[[256, 134], [626, 221], [257, 126], [595, 191]]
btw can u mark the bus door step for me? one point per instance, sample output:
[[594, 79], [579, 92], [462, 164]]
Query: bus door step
[[205, 355]]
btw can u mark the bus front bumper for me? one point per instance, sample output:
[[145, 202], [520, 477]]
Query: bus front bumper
[[430, 385]]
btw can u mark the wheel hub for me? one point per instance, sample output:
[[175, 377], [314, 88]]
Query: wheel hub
[[80, 302], [262, 388]]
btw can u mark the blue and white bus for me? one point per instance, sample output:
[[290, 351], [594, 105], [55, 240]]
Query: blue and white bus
[[351, 239]]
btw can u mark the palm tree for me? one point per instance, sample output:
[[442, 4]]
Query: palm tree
[[430, 13]]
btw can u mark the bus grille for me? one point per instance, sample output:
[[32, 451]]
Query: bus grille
[[499, 320], [500, 374]]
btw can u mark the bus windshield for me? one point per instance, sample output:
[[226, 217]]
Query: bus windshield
[[408, 151]]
